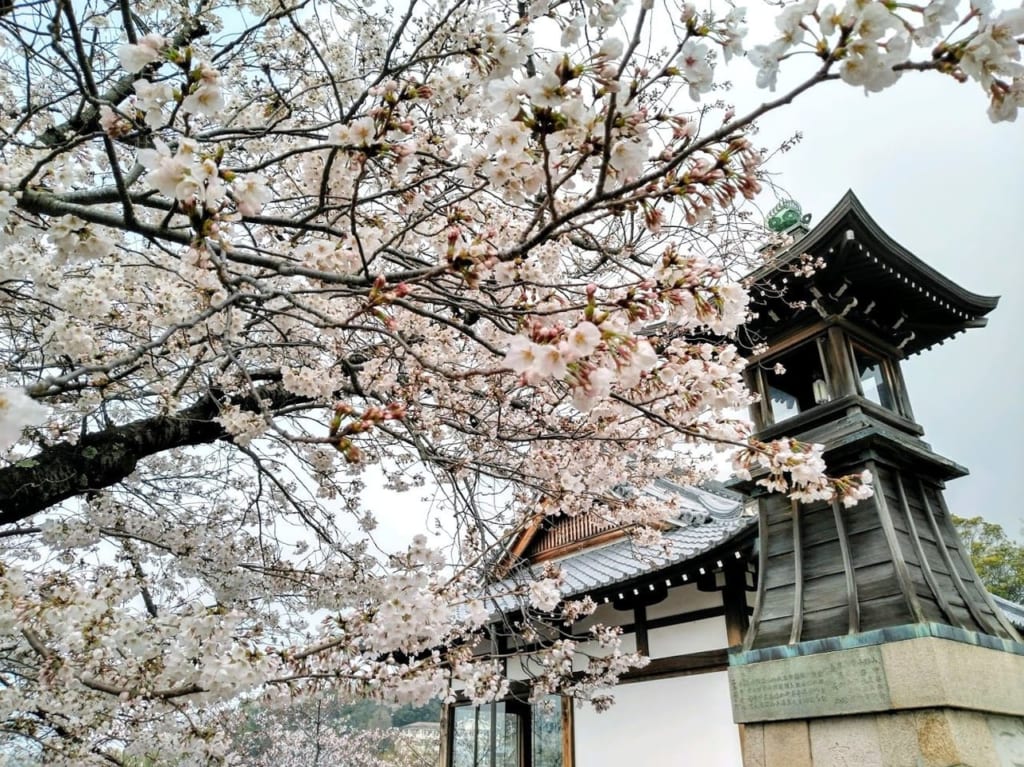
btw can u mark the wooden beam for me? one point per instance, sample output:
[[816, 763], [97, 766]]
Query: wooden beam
[[679, 618], [983, 623], [762, 563], [900, 387], [680, 665], [790, 341], [734, 600], [852, 600], [568, 733], [640, 621], [649, 624], [838, 363], [798, 578], [444, 758], [922, 558], [906, 583], [760, 411], [519, 546]]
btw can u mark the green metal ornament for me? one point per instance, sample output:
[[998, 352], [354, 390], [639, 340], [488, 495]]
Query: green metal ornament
[[785, 215]]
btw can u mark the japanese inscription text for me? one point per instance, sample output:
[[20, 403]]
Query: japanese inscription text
[[832, 683]]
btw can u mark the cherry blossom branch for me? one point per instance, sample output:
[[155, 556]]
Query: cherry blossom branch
[[100, 459]]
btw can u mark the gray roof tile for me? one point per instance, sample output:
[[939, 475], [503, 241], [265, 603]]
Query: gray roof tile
[[708, 517], [1013, 611]]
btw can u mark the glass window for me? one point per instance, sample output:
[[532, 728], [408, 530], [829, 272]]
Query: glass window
[[466, 734], [486, 736], [783, 403], [795, 381], [547, 732], [872, 375], [493, 735]]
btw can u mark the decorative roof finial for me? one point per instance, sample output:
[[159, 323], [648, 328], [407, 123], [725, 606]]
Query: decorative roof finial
[[787, 215]]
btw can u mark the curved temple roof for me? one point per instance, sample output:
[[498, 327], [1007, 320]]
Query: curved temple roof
[[1013, 611], [872, 275], [624, 560], [706, 519]]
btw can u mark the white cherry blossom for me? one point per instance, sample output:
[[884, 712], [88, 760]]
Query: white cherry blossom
[[695, 68], [138, 56], [302, 254], [583, 339], [17, 412]]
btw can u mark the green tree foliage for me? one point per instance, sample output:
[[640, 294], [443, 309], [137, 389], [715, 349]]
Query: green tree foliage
[[430, 712], [998, 559]]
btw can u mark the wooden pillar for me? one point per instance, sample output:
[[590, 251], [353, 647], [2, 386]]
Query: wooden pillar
[[734, 599]]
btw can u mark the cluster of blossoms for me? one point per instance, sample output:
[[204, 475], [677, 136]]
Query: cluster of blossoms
[[244, 426], [303, 739], [202, 93], [546, 593], [194, 179], [569, 354], [799, 469], [872, 43], [605, 348], [89, 654], [135, 57], [17, 412], [992, 57], [251, 266]]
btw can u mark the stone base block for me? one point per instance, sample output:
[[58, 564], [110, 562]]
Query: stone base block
[[920, 738], [925, 672], [922, 702]]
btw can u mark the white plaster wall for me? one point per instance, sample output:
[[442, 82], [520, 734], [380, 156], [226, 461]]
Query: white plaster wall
[[606, 615], [515, 669], [593, 649], [680, 722], [518, 667], [684, 599], [708, 634]]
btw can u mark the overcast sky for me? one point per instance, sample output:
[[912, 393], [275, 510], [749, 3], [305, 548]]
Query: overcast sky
[[948, 185]]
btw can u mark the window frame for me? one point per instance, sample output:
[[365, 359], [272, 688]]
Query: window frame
[[888, 372], [525, 746], [820, 341]]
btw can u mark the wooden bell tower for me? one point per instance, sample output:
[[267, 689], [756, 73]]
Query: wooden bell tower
[[831, 374], [873, 642]]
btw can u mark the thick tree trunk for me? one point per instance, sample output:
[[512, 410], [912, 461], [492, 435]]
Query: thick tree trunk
[[104, 458]]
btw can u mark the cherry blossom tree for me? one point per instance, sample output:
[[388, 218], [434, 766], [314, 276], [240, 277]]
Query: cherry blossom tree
[[256, 255], [352, 748], [309, 736]]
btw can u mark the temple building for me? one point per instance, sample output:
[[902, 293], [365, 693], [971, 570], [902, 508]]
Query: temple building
[[780, 633]]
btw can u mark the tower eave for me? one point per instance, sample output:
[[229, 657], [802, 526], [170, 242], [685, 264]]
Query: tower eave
[[867, 271]]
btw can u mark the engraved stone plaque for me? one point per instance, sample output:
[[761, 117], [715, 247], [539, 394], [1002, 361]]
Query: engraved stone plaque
[[843, 682]]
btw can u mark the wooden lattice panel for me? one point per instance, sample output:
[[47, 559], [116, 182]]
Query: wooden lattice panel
[[569, 532]]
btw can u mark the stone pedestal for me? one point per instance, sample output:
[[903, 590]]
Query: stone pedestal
[[920, 696]]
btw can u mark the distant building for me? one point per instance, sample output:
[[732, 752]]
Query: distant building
[[422, 730]]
